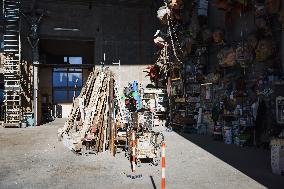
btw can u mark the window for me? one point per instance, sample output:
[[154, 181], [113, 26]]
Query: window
[[67, 81], [73, 60]]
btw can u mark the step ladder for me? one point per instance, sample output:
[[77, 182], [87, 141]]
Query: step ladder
[[12, 50]]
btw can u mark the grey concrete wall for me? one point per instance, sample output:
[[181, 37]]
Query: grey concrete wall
[[129, 73], [123, 33]]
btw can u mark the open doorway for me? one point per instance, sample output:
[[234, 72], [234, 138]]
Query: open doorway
[[66, 66]]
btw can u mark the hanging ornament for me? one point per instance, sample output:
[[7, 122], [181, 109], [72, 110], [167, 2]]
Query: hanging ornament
[[227, 57], [272, 6], [163, 14], [199, 76], [159, 41], [262, 25], [153, 72], [206, 35], [176, 4], [176, 14], [202, 8], [176, 73], [186, 45], [213, 77], [259, 9], [218, 37], [127, 91], [264, 50], [243, 55], [223, 5]]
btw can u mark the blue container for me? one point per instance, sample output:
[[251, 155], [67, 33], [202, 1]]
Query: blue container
[[30, 120]]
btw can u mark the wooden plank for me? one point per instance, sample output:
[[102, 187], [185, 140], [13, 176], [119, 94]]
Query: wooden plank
[[98, 107]]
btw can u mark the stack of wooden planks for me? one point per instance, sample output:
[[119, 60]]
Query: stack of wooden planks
[[96, 115]]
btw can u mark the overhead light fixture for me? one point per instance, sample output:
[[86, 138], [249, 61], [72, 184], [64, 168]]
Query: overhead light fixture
[[66, 29]]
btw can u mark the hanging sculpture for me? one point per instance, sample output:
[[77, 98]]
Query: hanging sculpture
[[232, 8], [272, 6], [206, 35], [153, 72], [218, 37], [186, 45], [227, 57], [264, 50], [252, 42], [259, 9], [213, 77], [162, 14], [263, 26], [176, 4]]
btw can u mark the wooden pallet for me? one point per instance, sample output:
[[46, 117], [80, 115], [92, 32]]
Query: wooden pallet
[[11, 125]]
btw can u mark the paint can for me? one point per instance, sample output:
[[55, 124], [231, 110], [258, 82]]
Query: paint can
[[23, 125], [227, 135]]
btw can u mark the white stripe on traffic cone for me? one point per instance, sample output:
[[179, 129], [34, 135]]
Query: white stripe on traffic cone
[[163, 166], [133, 145]]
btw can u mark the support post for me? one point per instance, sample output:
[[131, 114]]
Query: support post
[[163, 166], [111, 117], [35, 95], [282, 36], [133, 150]]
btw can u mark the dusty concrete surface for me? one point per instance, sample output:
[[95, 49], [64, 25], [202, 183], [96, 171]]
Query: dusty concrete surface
[[33, 158], [253, 162]]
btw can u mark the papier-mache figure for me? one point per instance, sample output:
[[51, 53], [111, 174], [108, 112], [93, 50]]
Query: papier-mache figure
[[264, 50], [227, 57]]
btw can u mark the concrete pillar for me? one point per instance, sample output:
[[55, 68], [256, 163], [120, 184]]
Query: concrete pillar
[[282, 37], [35, 109]]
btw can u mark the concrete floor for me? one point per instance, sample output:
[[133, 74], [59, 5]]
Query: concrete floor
[[33, 158]]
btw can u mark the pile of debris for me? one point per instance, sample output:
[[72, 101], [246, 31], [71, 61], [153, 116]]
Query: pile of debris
[[99, 121], [97, 115]]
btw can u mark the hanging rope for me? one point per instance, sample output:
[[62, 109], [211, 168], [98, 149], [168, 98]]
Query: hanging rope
[[172, 41]]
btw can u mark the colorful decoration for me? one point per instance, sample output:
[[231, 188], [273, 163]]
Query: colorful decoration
[[218, 37], [163, 14], [131, 97], [159, 41], [176, 4], [153, 72], [272, 6], [243, 55], [264, 50]]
